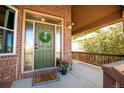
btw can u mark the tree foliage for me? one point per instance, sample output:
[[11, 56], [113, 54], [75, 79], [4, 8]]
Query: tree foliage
[[110, 40]]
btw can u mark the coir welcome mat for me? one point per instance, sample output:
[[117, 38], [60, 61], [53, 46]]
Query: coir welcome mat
[[44, 78]]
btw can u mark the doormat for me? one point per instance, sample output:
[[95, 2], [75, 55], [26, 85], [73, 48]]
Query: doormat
[[40, 79]]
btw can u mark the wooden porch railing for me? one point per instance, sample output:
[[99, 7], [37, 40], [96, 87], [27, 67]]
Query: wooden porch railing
[[97, 58]]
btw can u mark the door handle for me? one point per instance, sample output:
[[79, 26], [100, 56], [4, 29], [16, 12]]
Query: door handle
[[36, 46]]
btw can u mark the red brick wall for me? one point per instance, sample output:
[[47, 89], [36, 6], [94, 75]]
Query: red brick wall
[[8, 68], [60, 11]]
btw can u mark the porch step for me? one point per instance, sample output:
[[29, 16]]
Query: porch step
[[39, 72], [47, 70]]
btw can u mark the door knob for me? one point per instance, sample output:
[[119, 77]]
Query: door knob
[[36, 46]]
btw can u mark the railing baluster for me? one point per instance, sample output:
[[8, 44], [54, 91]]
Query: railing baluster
[[97, 58]]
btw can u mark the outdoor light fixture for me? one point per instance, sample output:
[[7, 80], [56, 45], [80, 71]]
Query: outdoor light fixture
[[42, 19], [69, 25], [123, 14]]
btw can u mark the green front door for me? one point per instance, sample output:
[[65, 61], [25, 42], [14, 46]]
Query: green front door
[[44, 46]]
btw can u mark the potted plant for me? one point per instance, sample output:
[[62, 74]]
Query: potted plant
[[63, 67]]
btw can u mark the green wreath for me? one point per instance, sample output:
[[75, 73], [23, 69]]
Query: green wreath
[[43, 38]]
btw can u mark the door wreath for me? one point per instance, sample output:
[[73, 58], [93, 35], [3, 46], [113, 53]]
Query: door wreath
[[45, 37]]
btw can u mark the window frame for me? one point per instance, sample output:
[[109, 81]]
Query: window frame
[[14, 32], [23, 37]]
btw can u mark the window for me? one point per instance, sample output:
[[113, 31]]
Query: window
[[28, 46], [58, 42], [7, 29]]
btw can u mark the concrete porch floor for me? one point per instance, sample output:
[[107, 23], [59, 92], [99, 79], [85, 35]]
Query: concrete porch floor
[[82, 76]]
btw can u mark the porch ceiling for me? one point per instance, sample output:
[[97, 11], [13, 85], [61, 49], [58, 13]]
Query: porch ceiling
[[86, 17]]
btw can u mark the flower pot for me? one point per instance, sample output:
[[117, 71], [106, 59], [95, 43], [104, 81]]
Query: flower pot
[[64, 71], [63, 67]]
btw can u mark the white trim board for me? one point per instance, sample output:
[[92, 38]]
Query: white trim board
[[15, 32], [23, 35]]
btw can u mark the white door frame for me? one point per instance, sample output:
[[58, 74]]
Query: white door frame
[[34, 21]]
